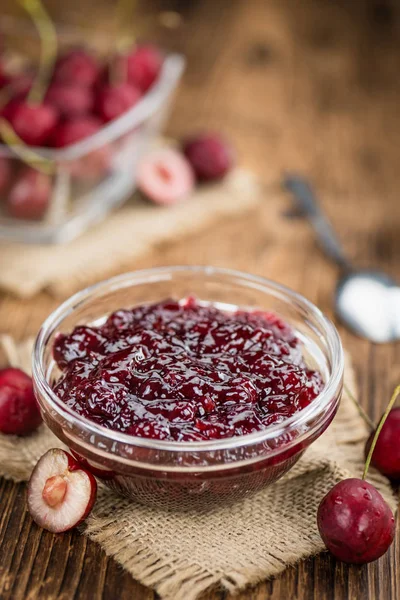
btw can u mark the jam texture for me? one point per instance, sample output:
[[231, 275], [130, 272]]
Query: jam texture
[[185, 371]]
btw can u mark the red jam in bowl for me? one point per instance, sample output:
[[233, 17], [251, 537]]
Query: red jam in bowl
[[185, 371]]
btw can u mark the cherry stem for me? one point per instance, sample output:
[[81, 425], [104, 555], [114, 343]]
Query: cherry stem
[[379, 429], [123, 40], [360, 409], [23, 151], [48, 51]]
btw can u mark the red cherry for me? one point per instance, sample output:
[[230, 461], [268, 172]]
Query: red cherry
[[19, 411], [210, 156], [142, 66], [29, 197], [75, 130], [5, 174], [61, 493], [386, 455], [92, 165], [77, 67], [355, 522], [33, 123], [69, 99], [114, 100]]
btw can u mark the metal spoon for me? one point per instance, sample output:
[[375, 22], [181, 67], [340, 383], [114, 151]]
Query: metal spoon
[[368, 302]]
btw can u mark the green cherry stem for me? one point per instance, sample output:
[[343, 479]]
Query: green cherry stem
[[379, 429], [48, 51], [360, 409], [123, 40]]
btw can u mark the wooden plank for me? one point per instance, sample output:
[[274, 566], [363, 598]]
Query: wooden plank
[[311, 86]]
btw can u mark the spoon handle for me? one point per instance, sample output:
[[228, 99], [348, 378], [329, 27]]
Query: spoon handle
[[309, 207]]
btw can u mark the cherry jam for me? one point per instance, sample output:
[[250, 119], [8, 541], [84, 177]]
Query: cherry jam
[[185, 371]]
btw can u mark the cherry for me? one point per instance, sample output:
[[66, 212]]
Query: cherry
[[355, 522], [33, 123], [142, 66], [77, 67], [75, 130], [92, 165], [210, 156], [19, 411], [61, 492], [70, 100], [113, 100], [386, 455], [165, 177], [29, 196]]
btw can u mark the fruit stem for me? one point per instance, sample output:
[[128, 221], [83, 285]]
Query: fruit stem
[[379, 429], [19, 148], [48, 51], [123, 41], [360, 409]]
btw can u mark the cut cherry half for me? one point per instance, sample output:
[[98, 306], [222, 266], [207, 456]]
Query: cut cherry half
[[61, 493], [165, 177]]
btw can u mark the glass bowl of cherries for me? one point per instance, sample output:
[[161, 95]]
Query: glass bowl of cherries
[[185, 386], [73, 129]]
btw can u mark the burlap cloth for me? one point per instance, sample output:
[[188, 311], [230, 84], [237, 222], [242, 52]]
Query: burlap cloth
[[124, 235], [181, 555]]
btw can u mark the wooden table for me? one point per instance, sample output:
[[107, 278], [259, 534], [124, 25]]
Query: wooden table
[[310, 85]]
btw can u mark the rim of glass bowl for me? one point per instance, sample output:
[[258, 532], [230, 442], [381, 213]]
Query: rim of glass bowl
[[150, 102], [313, 410]]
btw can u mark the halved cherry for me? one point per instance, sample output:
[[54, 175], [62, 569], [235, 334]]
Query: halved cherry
[[61, 493], [165, 177]]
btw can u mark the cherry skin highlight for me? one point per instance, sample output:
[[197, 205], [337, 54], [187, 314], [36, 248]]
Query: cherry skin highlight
[[386, 455], [355, 522], [19, 411], [185, 372]]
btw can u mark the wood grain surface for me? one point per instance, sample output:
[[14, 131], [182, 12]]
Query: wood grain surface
[[308, 85]]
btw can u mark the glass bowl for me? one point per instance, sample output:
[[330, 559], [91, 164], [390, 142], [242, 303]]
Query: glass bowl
[[183, 475]]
